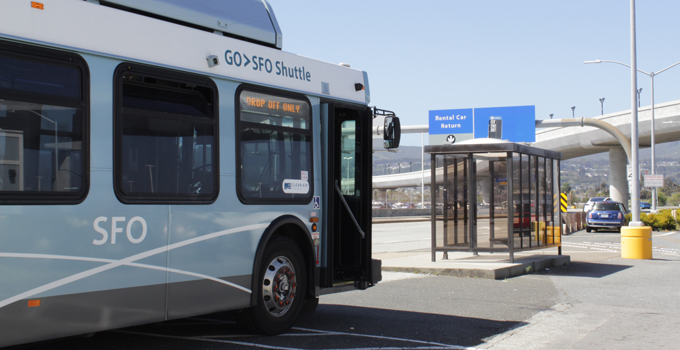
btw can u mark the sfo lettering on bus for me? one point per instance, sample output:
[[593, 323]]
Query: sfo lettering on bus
[[131, 230], [237, 59]]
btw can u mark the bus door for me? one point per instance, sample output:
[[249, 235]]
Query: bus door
[[348, 194]]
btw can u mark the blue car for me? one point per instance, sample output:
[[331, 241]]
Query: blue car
[[606, 215], [645, 205]]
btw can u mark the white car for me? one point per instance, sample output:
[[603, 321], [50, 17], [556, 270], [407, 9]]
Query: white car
[[589, 205]]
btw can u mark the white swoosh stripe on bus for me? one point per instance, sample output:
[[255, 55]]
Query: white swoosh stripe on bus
[[145, 266], [130, 259]]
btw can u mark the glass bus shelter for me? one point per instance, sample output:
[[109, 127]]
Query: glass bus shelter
[[491, 195]]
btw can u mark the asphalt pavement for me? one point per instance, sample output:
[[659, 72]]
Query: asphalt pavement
[[598, 301]]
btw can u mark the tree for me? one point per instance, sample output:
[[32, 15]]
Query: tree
[[645, 194], [674, 200], [669, 187], [566, 187]]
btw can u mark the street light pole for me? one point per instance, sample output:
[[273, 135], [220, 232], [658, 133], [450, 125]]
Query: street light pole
[[654, 194], [651, 75], [347, 159], [422, 170], [639, 91], [602, 106], [572, 111], [635, 198]]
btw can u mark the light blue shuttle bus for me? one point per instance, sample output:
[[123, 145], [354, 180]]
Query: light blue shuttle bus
[[161, 159]]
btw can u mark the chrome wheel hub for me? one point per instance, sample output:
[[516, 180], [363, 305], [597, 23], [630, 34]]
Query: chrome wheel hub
[[279, 286]]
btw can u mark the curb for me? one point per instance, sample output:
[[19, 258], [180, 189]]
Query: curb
[[512, 270]]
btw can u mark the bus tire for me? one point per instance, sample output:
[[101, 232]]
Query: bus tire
[[281, 291]]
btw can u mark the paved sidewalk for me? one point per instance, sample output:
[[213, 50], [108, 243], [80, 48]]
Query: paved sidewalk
[[464, 264]]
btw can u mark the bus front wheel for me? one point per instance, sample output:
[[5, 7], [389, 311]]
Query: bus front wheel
[[282, 284]]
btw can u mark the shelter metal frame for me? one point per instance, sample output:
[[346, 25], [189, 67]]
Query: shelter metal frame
[[522, 185]]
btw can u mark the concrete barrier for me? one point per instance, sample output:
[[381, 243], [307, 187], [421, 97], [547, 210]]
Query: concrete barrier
[[380, 213], [573, 222]]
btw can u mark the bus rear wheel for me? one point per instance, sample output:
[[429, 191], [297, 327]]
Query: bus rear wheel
[[282, 284]]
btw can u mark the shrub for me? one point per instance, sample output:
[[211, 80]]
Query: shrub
[[664, 221], [648, 219], [661, 221]]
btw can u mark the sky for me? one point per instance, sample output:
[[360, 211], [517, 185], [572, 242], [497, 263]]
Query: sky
[[449, 54]]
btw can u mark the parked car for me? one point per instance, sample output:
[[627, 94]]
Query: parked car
[[423, 206], [645, 205], [527, 218], [589, 204], [400, 205], [606, 215]]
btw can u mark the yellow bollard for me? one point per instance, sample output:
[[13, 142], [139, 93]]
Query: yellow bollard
[[558, 235], [538, 227], [636, 242]]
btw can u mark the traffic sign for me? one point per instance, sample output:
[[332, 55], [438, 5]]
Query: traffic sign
[[653, 180], [451, 121], [563, 202]]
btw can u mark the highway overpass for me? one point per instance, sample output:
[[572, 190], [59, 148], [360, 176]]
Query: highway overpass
[[576, 142]]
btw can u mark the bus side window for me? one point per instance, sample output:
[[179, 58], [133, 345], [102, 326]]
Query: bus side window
[[166, 133], [43, 115]]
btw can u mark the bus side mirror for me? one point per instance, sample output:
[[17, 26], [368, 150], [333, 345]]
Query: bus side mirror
[[392, 132]]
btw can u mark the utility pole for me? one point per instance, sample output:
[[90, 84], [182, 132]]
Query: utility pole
[[635, 195]]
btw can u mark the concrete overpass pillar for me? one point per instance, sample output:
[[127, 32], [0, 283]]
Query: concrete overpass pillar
[[379, 195], [618, 182], [485, 185]]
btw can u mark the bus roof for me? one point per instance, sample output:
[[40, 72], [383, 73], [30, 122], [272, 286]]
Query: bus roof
[[250, 19], [88, 27]]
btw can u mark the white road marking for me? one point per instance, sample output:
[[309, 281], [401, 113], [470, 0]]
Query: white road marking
[[209, 340], [312, 332], [615, 247], [588, 246], [666, 234], [383, 337], [214, 339]]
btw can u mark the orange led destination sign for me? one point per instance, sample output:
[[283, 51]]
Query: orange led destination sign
[[275, 104]]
